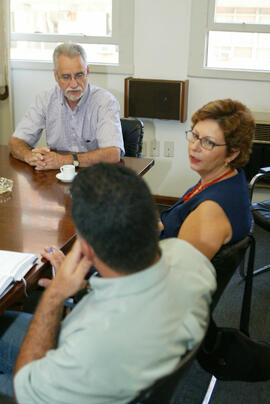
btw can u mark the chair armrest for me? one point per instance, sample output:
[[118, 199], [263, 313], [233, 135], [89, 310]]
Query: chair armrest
[[264, 172]]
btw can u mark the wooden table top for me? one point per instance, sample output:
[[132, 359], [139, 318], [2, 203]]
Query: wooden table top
[[37, 213]]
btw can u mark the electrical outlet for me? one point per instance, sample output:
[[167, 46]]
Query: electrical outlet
[[169, 149], [155, 147], [144, 148]]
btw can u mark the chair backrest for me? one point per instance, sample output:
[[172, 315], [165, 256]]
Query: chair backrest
[[226, 262], [132, 130], [163, 390]]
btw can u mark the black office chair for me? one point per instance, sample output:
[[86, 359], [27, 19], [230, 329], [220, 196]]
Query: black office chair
[[261, 210], [227, 260], [132, 130], [163, 390]]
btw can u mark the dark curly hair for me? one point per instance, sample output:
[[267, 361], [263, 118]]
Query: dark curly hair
[[237, 124]]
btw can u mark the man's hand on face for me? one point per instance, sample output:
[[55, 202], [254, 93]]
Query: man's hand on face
[[71, 274], [50, 160]]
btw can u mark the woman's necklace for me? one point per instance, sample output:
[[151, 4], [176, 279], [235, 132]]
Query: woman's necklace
[[200, 187]]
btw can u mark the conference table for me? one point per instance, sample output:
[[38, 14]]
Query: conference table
[[37, 213]]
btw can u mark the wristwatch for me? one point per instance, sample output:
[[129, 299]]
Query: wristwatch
[[76, 162]]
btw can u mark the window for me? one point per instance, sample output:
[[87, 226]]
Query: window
[[103, 27], [230, 39]]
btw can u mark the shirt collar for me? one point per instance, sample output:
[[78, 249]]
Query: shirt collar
[[129, 284]]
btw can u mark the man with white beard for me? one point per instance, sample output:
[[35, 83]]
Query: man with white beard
[[81, 120]]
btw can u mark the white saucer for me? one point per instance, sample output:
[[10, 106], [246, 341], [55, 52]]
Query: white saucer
[[60, 177]]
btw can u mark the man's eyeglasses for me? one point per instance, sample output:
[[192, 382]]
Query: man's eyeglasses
[[66, 78], [205, 142]]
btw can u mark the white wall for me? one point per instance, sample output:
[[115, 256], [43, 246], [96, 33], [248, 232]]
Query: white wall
[[161, 46]]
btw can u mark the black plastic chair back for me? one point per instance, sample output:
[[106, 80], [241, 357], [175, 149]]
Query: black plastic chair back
[[163, 390], [226, 262], [132, 130]]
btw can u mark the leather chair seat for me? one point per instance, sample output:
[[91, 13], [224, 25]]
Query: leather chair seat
[[261, 214]]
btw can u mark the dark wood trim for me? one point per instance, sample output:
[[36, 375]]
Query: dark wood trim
[[165, 200], [184, 101], [139, 165], [126, 103]]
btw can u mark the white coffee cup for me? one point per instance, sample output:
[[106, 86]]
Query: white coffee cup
[[68, 171]]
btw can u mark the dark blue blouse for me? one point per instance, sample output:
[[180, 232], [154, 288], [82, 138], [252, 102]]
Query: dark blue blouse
[[231, 194]]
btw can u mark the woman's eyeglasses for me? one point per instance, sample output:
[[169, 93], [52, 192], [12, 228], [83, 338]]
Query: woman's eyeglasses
[[205, 142]]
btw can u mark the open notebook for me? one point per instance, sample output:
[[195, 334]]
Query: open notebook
[[13, 267]]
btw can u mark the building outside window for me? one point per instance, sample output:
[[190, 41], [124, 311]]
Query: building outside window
[[230, 39], [103, 27]]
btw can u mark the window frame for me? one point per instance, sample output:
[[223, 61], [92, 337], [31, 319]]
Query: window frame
[[122, 35], [202, 21]]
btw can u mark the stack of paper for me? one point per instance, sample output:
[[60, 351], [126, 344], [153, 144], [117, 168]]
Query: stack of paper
[[13, 267]]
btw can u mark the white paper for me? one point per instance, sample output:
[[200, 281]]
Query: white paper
[[13, 267]]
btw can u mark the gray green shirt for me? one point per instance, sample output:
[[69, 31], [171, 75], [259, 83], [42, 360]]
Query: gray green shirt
[[125, 333]]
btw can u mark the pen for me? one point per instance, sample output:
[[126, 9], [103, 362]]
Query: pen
[[53, 270]]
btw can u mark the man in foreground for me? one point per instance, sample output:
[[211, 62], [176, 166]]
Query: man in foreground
[[79, 118], [147, 308]]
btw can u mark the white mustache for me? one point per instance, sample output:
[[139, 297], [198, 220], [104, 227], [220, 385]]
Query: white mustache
[[79, 88], [69, 95]]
